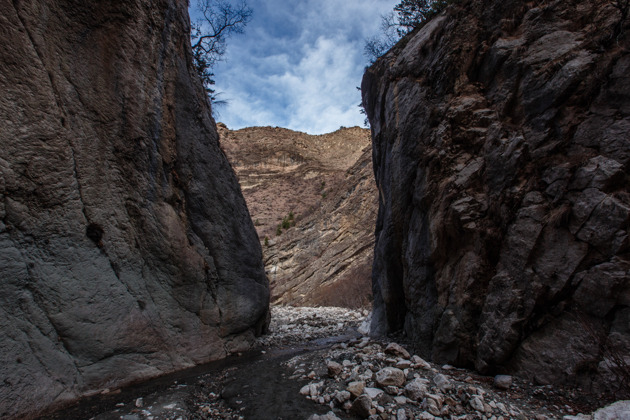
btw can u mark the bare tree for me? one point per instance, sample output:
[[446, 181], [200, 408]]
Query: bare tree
[[220, 19], [407, 15]]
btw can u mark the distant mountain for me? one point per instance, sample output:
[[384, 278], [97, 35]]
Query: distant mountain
[[322, 188]]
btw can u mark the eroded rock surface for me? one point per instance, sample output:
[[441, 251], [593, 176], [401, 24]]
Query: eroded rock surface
[[126, 249], [501, 153], [323, 187]]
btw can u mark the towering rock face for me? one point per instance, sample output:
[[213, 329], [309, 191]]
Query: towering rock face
[[126, 248], [325, 184], [501, 153]]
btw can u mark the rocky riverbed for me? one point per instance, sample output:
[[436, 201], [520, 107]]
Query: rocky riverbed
[[316, 364]]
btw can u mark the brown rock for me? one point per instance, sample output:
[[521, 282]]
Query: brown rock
[[326, 183], [390, 376], [334, 368]]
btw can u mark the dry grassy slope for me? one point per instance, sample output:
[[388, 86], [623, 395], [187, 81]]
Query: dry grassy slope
[[327, 183]]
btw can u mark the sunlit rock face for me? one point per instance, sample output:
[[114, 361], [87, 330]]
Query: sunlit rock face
[[501, 152], [323, 187], [126, 248]]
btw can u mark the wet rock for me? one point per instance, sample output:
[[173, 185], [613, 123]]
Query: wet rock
[[390, 376], [362, 406], [502, 381]]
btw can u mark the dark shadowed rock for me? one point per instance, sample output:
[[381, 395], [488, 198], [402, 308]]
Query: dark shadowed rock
[[126, 249], [501, 154]]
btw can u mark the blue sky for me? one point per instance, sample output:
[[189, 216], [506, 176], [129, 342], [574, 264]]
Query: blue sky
[[298, 64]]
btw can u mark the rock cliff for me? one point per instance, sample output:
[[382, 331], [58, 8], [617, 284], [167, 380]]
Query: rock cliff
[[126, 248], [501, 153], [325, 185]]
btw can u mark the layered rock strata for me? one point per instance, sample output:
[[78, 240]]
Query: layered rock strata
[[323, 188], [126, 248], [501, 153]]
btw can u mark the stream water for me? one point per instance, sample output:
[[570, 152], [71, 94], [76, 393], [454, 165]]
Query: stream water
[[253, 385]]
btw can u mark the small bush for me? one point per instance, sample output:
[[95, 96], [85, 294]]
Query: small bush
[[266, 241], [279, 230]]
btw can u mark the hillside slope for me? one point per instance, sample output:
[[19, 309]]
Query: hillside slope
[[325, 185]]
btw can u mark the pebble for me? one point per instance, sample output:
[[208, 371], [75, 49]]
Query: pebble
[[503, 381], [334, 368], [362, 406], [374, 393], [442, 382], [356, 388], [390, 376], [398, 350]]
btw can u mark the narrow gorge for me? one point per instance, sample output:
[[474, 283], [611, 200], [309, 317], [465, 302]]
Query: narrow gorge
[[465, 258]]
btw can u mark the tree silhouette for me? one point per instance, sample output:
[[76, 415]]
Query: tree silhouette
[[220, 19]]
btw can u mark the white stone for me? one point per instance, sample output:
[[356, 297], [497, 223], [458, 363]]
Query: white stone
[[373, 393], [477, 404]]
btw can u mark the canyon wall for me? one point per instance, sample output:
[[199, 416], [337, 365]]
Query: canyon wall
[[501, 141], [324, 185], [126, 248]]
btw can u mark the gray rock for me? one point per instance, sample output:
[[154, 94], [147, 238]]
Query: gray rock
[[401, 414], [442, 382], [328, 416], [618, 410], [416, 390], [342, 396], [493, 227], [126, 248], [476, 403], [373, 393], [502, 381], [390, 376]]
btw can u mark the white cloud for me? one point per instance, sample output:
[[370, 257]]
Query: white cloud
[[302, 75]]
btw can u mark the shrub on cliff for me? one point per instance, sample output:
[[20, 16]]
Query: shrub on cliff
[[406, 16]]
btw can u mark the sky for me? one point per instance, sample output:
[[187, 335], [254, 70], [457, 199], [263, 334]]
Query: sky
[[298, 64]]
